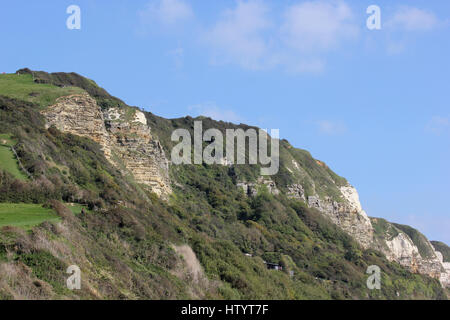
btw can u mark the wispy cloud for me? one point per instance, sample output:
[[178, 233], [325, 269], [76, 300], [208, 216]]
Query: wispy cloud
[[165, 13], [238, 36], [438, 125], [210, 109], [331, 128], [298, 37], [413, 19], [404, 24], [318, 25], [252, 36]]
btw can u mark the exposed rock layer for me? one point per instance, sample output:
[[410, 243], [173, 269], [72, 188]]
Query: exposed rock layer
[[123, 135], [350, 216], [347, 214]]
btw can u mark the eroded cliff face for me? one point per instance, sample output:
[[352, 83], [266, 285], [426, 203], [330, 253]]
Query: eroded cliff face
[[350, 216], [445, 274], [79, 115], [138, 150], [347, 214], [402, 249], [123, 135]]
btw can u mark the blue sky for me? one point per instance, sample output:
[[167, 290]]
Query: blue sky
[[372, 104]]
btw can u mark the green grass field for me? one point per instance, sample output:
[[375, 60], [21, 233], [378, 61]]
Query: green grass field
[[25, 215], [76, 208], [8, 161], [6, 139], [23, 87]]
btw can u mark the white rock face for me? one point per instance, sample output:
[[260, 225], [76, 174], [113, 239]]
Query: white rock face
[[140, 117], [401, 248], [348, 214], [445, 275], [352, 196], [295, 164]]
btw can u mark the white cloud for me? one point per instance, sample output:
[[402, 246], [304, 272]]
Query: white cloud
[[211, 110], [438, 125], [254, 37], [166, 12], [331, 128], [239, 35], [318, 25], [413, 19]]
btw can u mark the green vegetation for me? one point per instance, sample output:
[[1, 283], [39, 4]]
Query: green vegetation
[[312, 174], [125, 245], [384, 229], [22, 87], [442, 248], [8, 162], [7, 140], [25, 215], [73, 81], [77, 208]]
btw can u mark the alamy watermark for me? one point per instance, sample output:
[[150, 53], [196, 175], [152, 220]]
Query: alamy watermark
[[73, 22], [74, 281], [374, 280], [235, 152], [374, 20]]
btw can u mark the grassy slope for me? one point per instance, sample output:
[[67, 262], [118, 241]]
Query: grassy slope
[[73, 80], [25, 215], [125, 252], [22, 87], [8, 161]]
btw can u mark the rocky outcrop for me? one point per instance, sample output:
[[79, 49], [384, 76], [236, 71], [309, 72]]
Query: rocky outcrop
[[251, 189], [445, 274], [79, 115], [403, 250], [296, 191], [134, 145], [350, 216], [347, 214], [123, 135]]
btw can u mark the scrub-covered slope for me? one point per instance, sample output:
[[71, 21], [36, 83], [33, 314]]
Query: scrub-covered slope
[[139, 227]]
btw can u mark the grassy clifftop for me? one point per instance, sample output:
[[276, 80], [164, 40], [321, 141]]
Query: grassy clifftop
[[72, 81], [22, 87]]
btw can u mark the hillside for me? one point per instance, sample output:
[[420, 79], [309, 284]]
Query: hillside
[[154, 230]]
